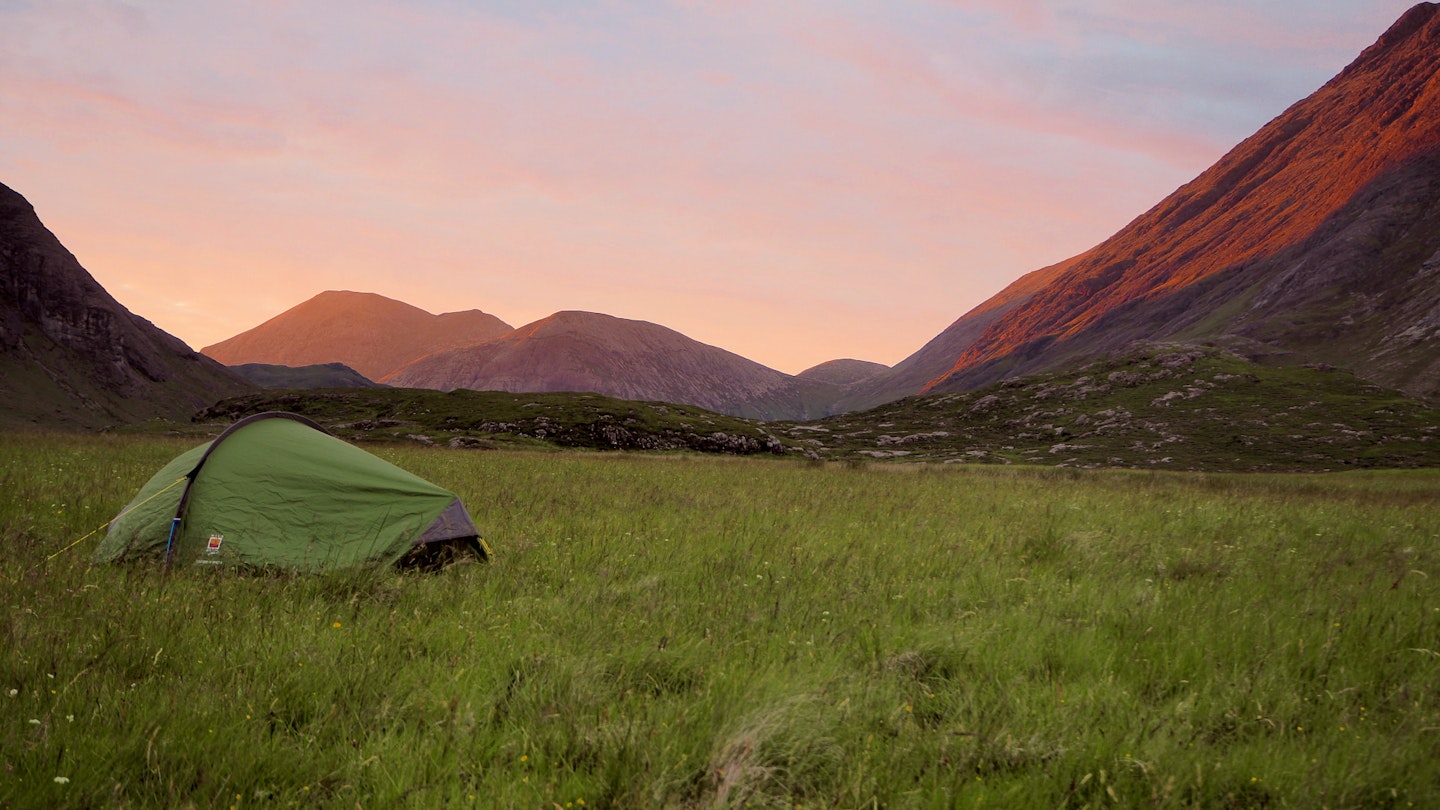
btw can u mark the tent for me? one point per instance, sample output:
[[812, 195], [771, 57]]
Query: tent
[[278, 490]]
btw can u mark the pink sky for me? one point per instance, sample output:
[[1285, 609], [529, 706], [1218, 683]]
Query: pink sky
[[794, 182]]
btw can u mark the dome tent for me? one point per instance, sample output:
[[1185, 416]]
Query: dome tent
[[278, 490]]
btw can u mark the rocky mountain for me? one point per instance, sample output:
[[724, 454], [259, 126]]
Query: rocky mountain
[[914, 373], [637, 360], [370, 333], [1316, 239], [73, 356]]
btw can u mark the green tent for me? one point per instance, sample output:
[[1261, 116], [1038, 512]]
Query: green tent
[[277, 490]]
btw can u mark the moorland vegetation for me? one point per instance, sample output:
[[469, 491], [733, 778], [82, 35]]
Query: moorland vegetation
[[701, 631]]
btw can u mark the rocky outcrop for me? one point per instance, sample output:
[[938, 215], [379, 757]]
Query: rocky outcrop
[[71, 355]]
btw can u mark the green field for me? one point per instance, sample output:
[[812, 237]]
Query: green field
[[684, 631]]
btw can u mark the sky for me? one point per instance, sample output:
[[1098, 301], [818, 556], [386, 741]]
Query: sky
[[794, 182]]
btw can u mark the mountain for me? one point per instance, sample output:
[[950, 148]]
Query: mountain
[[912, 374], [637, 360], [320, 375], [1316, 239], [370, 333], [843, 372], [73, 356]]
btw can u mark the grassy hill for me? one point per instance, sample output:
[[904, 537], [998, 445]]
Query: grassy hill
[[1160, 407], [497, 419]]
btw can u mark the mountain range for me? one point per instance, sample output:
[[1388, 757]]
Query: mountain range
[[1316, 240]]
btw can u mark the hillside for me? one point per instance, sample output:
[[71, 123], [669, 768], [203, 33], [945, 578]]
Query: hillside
[[911, 375], [843, 372], [73, 356], [1160, 406], [1316, 239], [636, 360], [320, 375], [486, 420], [370, 333], [1168, 407], [1321, 222]]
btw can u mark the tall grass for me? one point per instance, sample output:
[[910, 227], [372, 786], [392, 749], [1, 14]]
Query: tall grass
[[699, 632]]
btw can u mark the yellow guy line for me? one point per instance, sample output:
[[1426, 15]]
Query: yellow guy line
[[171, 486]]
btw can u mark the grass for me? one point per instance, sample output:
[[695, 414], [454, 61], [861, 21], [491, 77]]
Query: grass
[[691, 631]]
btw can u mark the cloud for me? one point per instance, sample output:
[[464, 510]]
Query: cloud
[[811, 170]]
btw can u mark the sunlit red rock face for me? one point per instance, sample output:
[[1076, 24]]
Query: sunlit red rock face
[[370, 333], [1299, 239]]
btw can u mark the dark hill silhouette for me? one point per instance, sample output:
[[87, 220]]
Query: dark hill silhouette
[[843, 372], [320, 375]]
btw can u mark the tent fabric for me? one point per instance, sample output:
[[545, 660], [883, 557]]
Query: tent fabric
[[278, 490]]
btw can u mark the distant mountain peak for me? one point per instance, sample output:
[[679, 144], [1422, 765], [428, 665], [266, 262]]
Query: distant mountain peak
[[588, 351], [845, 371], [371, 333]]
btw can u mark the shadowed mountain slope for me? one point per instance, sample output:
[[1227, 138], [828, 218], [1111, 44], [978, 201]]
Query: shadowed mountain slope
[[1317, 237], [320, 375], [638, 360], [73, 356], [370, 333]]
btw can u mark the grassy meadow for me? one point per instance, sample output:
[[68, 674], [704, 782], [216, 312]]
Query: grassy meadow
[[689, 632]]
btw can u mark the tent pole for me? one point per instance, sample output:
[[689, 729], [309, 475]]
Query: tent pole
[[174, 525]]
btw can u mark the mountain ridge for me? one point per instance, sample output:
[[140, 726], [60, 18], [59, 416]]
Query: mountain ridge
[[585, 351], [1277, 191], [368, 332]]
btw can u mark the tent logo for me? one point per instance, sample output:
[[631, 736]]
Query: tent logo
[[213, 547]]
